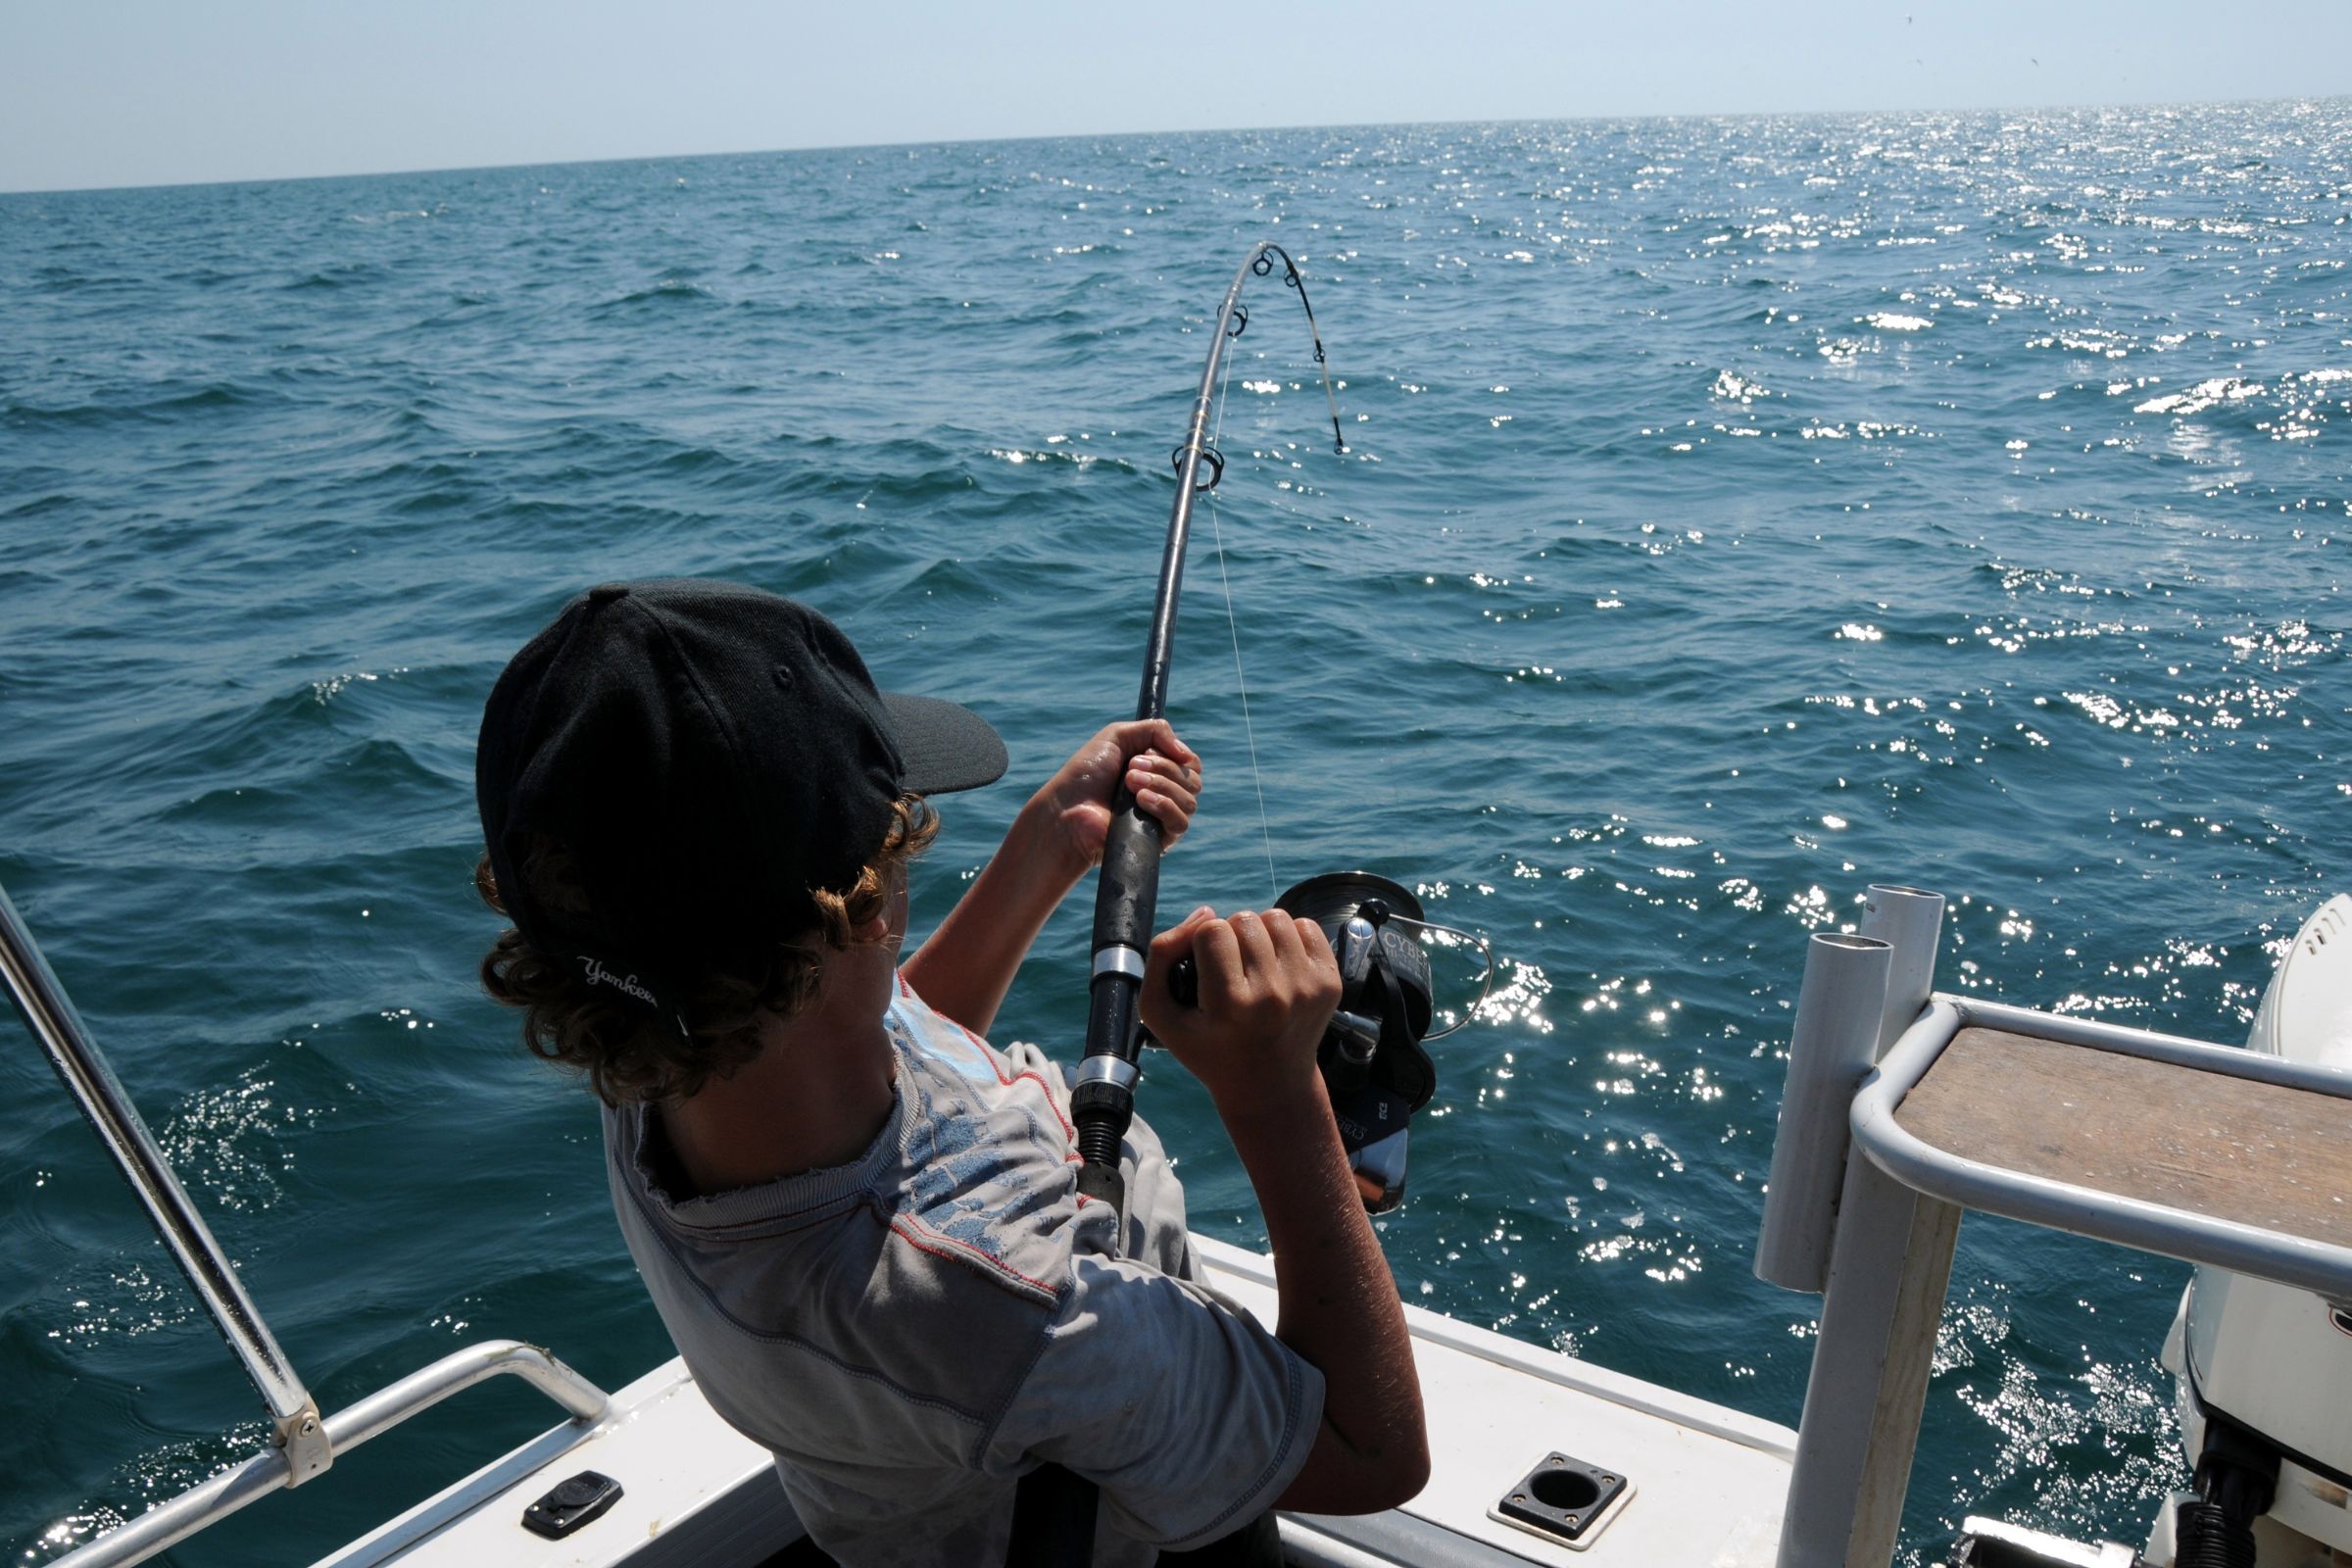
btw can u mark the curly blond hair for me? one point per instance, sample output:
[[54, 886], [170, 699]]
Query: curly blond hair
[[627, 1055]]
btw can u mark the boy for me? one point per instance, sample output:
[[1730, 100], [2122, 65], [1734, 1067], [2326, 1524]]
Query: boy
[[857, 1219]]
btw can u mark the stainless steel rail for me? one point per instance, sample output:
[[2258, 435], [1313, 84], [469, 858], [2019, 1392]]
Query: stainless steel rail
[[49, 1014], [171, 1522]]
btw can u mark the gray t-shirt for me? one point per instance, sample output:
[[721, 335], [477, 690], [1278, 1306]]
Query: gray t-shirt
[[911, 1333]]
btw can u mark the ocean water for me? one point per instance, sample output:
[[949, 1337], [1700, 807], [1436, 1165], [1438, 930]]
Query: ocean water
[[1736, 512]]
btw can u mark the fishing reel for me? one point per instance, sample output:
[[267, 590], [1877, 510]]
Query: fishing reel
[[1373, 1058]]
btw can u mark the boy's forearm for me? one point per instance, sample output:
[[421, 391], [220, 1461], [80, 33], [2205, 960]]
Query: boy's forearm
[[1339, 1303], [965, 967]]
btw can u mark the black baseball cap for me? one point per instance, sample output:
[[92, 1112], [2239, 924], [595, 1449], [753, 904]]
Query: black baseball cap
[[705, 754]]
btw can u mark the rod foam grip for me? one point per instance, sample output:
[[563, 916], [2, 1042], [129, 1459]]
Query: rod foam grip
[[1129, 890]]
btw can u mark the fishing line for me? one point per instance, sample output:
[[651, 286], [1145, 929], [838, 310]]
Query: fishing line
[[1428, 932], [1261, 265], [1216, 530]]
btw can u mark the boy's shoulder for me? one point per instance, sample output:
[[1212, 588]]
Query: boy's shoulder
[[987, 1156]]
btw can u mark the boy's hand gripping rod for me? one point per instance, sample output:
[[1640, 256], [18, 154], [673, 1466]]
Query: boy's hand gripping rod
[[1053, 1510]]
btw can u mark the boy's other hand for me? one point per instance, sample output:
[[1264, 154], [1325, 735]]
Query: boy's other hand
[[1142, 754], [1268, 985]]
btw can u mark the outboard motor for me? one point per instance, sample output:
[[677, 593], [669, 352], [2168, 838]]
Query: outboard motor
[[2264, 1371]]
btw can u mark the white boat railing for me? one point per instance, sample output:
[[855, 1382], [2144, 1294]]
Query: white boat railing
[[1873, 1236], [302, 1443]]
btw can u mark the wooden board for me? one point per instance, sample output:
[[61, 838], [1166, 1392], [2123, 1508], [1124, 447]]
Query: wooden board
[[2256, 1154]]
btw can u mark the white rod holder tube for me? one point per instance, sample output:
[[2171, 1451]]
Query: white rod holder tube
[[1910, 920], [1834, 1043], [1892, 1264]]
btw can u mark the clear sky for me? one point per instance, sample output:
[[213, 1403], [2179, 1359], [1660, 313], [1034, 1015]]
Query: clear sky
[[136, 92]]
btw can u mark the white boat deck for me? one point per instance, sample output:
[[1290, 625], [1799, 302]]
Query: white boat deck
[[1707, 1481]]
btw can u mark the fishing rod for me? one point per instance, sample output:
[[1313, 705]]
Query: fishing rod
[[1371, 1056], [1053, 1510], [1127, 892]]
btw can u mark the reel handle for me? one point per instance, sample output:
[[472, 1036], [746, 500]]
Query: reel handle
[[1184, 975], [1357, 1036]]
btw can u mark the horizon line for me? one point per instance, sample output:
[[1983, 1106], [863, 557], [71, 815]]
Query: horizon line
[[1115, 135]]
